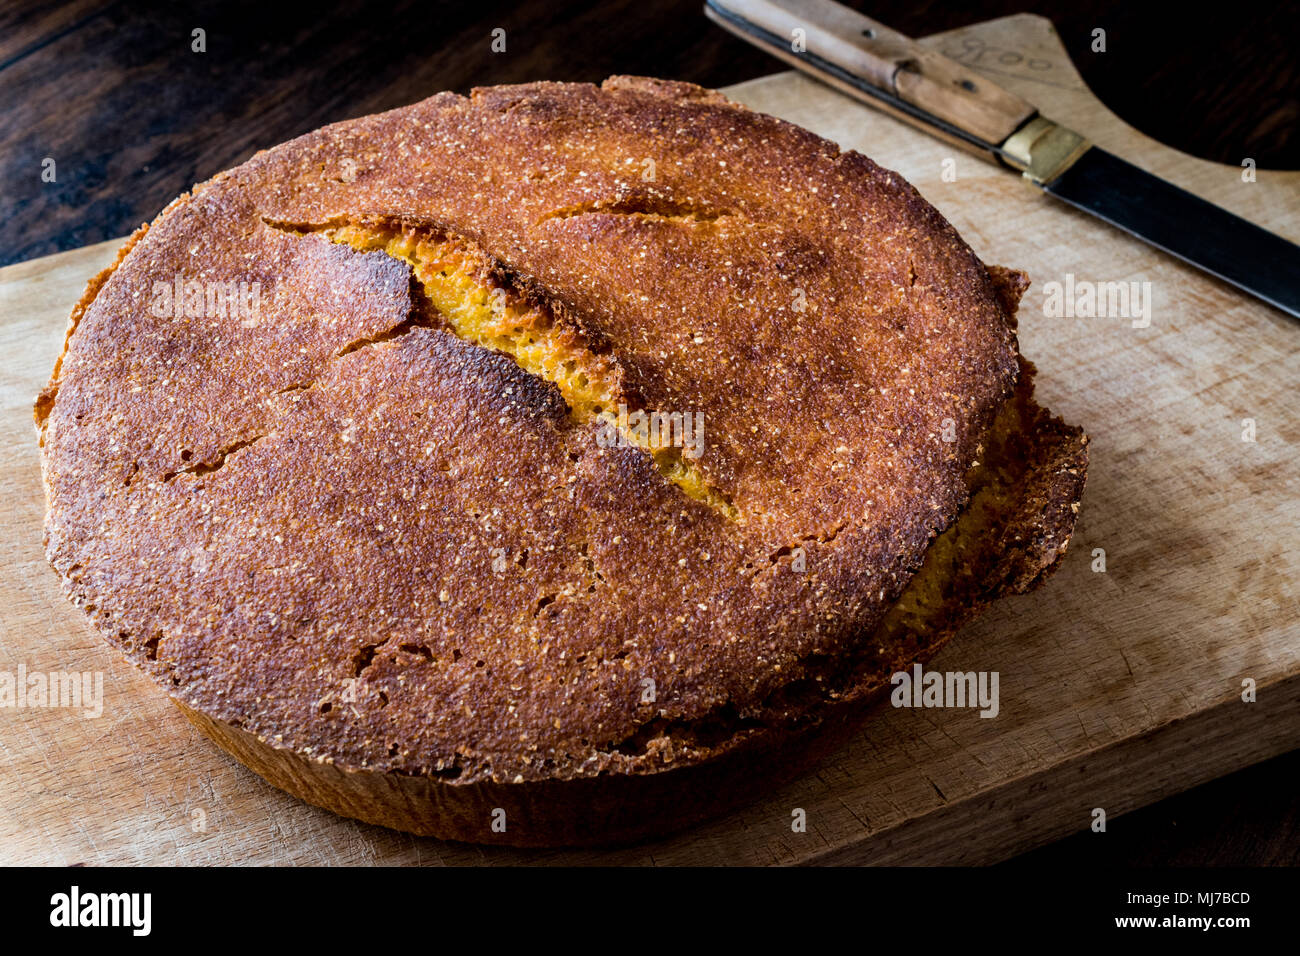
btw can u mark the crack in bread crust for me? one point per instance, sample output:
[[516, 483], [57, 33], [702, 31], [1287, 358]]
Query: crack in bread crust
[[455, 280], [646, 205]]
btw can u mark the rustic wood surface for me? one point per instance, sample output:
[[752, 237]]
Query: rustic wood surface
[[1117, 688], [114, 93]]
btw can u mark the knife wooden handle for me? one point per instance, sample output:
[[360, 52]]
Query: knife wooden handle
[[847, 49]]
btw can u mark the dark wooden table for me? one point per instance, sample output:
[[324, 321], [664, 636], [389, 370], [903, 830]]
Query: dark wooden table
[[114, 93]]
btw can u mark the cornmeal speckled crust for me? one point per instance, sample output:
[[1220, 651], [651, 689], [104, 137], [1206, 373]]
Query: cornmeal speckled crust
[[372, 558]]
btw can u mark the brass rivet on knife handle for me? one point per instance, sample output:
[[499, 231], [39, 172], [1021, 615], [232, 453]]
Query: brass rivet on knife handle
[[933, 86], [1042, 150]]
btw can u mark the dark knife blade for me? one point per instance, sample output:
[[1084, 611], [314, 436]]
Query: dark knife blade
[[1198, 232]]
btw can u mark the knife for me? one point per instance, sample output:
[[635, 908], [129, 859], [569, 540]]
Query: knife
[[885, 69]]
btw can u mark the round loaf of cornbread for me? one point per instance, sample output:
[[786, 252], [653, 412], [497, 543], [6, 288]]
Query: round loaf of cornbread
[[552, 465]]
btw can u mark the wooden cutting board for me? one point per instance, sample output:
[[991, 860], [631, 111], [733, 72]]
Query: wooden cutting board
[[1117, 688]]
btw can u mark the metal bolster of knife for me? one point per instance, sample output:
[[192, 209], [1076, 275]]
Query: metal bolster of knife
[[1042, 150]]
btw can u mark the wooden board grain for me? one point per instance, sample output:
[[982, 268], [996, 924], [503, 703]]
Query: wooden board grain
[[1117, 688]]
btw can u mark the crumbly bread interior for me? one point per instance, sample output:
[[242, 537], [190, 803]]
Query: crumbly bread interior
[[454, 280]]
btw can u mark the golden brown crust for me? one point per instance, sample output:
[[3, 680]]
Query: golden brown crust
[[45, 400], [341, 531]]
